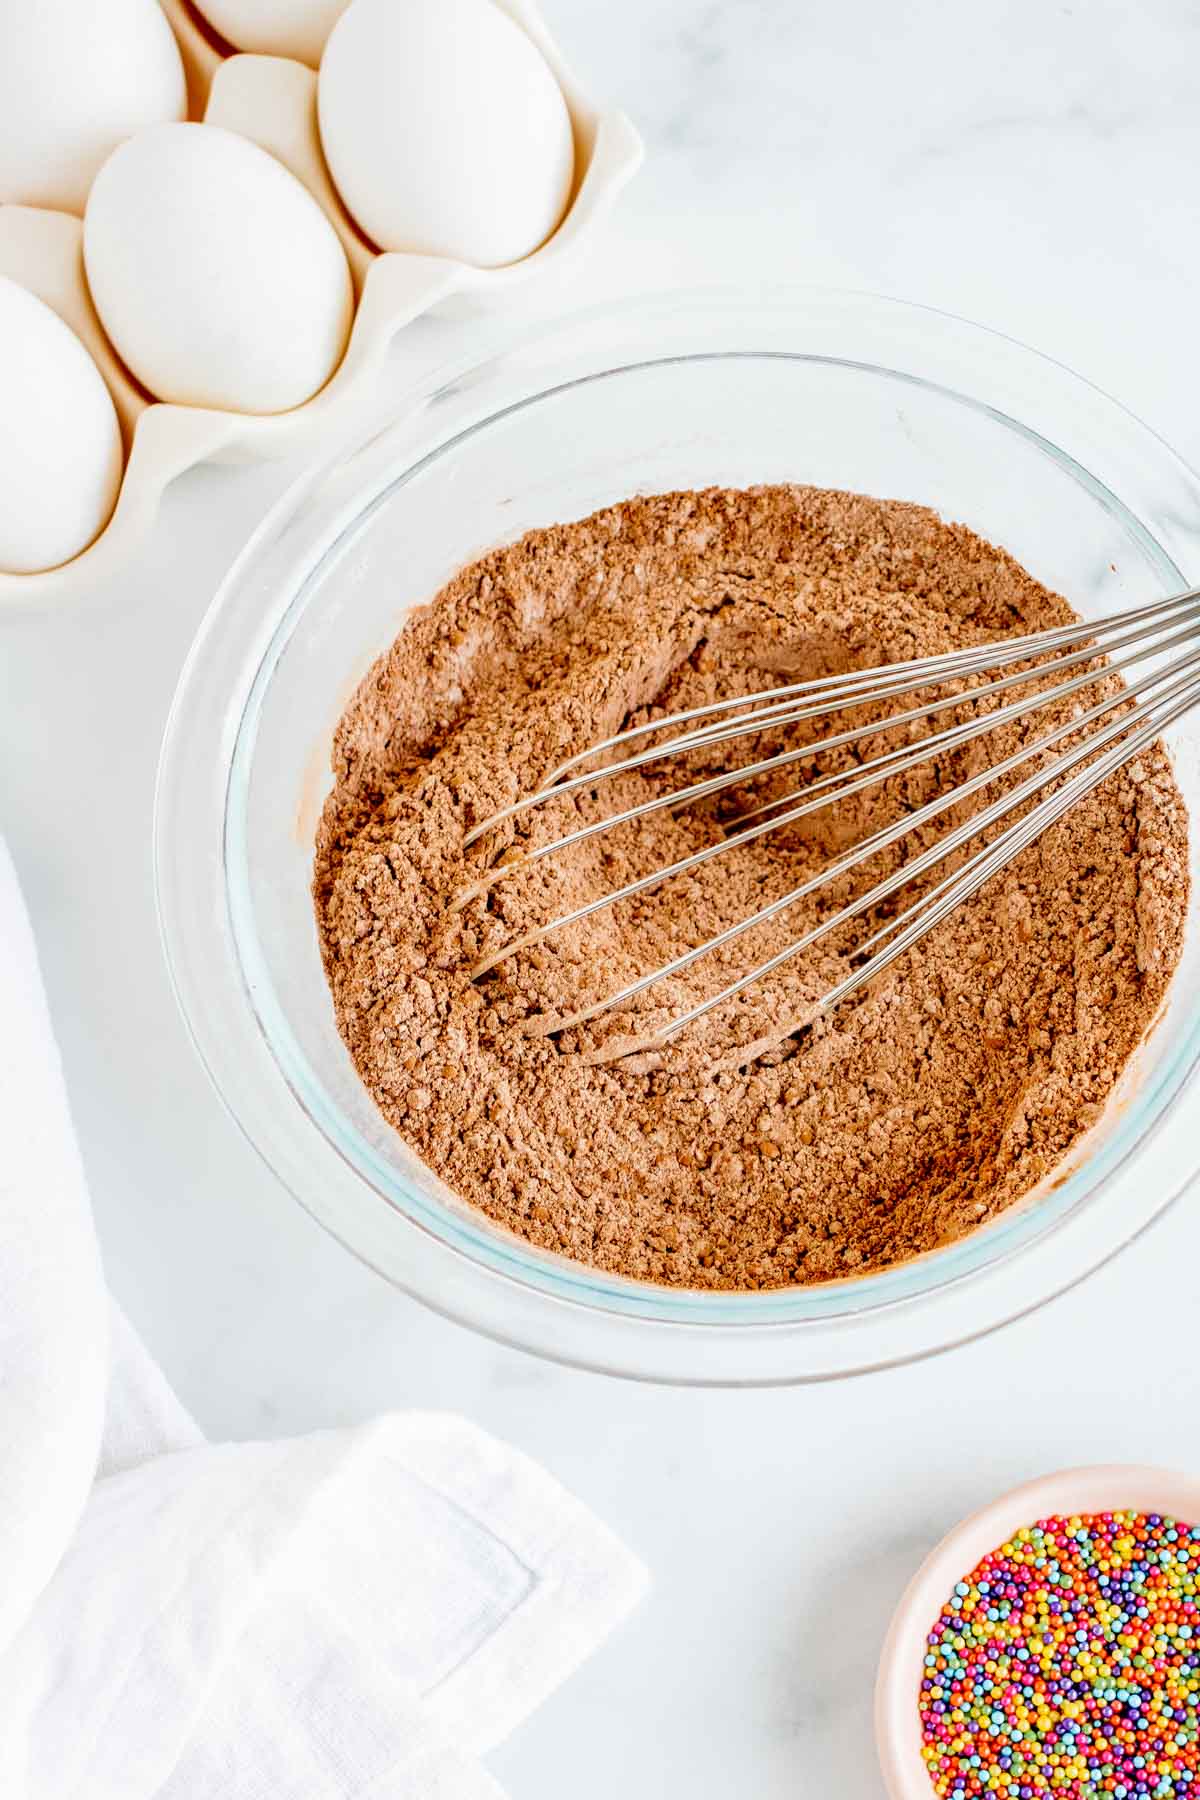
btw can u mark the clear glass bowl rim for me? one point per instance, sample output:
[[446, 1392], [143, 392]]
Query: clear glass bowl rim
[[567, 1285]]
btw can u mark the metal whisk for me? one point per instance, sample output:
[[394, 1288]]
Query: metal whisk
[[1072, 759]]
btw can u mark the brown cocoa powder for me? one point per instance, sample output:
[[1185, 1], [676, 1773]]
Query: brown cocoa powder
[[755, 1150]]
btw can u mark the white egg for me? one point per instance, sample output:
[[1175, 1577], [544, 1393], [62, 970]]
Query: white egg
[[60, 444], [444, 129], [296, 28], [77, 76], [215, 273]]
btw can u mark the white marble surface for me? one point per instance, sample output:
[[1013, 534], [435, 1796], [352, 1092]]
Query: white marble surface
[[1031, 164]]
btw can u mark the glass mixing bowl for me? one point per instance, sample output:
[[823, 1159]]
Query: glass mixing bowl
[[839, 389]]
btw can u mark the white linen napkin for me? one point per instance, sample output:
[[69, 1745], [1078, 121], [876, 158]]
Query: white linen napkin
[[356, 1613]]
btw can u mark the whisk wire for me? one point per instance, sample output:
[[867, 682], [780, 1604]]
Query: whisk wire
[[1143, 707], [837, 688], [789, 715], [959, 887], [826, 790], [995, 857]]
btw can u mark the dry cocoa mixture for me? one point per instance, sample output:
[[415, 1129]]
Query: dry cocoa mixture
[[761, 1147]]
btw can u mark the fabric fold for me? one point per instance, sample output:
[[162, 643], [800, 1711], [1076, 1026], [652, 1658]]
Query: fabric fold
[[53, 1309], [360, 1612]]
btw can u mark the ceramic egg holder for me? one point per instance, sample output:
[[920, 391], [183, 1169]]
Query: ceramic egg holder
[[273, 102]]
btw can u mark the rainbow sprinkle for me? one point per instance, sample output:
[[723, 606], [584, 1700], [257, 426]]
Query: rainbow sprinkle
[[1068, 1664]]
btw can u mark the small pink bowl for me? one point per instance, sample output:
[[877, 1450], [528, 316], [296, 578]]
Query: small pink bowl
[[1113, 1489]]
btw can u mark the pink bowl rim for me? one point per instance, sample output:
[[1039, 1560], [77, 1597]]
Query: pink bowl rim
[[1112, 1487]]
